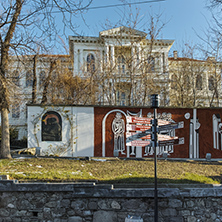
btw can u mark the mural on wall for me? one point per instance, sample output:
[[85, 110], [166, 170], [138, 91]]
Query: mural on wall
[[133, 128], [118, 128], [194, 134], [161, 149], [51, 126], [217, 131], [132, 149]]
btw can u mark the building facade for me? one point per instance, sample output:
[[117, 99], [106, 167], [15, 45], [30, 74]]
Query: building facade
[[194, 83], [124, 65], [120, 67]]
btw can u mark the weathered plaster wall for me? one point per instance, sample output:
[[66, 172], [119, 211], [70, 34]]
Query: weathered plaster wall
[[97, 203], [77, 130]]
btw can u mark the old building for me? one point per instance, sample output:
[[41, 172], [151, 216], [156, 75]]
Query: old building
[[194, 83], [119, 67], [27, 78], [124, 66]]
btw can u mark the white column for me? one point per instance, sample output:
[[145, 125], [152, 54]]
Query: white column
[[165, 62], [106, 54], [75, 65], [112, 56], [133, 56], [101, 60], [139, 52], [81, 62]]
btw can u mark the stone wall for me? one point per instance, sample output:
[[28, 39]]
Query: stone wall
[[105, 203]]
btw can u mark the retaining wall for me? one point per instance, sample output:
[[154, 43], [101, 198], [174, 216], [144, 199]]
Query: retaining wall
[[105, 203]]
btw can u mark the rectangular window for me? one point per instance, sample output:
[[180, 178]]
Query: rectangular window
[[15, 111]]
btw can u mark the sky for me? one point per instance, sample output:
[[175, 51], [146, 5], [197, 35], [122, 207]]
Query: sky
[[183, 18]]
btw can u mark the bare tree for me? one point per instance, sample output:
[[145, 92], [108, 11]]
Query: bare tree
[[23, 25], [135, 72], [194, 82]]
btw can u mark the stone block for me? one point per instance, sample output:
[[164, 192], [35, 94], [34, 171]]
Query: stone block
[[93, 206], [173, 219], [4, 213], [105, 215], [169, 212], [11, 206], [71, 212], [174, 203], [65, 203], [213, 216], [148, 217], [191, 219], [115, 205], [131, 204], [78, 205], [24, 205], [21, 213], [75, 219], [51, 204], [184, 213], [190, 203], [103, 205], [87, 213]]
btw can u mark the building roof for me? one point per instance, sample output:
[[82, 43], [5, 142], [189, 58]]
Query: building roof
[[185, 59], [123, 31]]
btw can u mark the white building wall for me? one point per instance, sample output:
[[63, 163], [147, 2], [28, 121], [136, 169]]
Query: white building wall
[[77, 131]]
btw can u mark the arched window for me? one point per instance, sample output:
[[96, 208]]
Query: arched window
[[211, 83], [29, 79], [90, 63], [121, 64], [42, 78], [51, 127], [15, 78], [199, 82]]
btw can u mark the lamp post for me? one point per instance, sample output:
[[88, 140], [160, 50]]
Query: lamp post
[[155, 105]]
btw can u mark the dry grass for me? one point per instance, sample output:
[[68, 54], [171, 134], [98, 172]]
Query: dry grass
[[111, 171]]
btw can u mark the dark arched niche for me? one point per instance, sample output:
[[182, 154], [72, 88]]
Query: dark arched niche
[[51, 126]]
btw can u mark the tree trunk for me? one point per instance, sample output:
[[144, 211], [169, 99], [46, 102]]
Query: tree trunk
[[34, 83], [4, 105], [5, 143], [47, 81]]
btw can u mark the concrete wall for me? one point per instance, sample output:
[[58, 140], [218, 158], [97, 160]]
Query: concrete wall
[[87, 131], [97, 203], [77, 131]]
